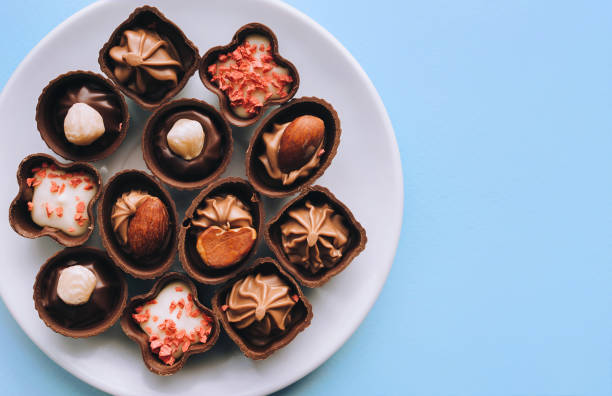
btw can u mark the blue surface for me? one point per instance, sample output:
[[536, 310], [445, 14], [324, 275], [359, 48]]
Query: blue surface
[[501, 285]]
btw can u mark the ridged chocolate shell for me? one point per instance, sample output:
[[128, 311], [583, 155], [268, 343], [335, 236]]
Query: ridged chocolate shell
[[19, 215], [54, 135], [135, 332], [256, 172], [317, 195], [190, 259], [125, 181], [151, 18], [302, 311], [74, 253], [152, 127], [212, 55]]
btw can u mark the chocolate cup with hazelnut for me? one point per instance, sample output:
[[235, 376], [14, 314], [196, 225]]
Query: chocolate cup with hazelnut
[[94, 316], [156, 252], [164, 63], [355, 236], [297, 109], [134, 331], [212, 56], [189, 233], [20, 213], [300, 314], [172, 168], [85, 87]]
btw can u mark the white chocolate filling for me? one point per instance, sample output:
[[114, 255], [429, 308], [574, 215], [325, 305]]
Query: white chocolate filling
[[62, 202], [83, 124], [75, 285], [186, 138]]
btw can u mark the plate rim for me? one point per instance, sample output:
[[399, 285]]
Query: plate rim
[[395, 159]]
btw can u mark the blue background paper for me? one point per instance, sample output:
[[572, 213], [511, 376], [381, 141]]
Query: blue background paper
[[502, 280]]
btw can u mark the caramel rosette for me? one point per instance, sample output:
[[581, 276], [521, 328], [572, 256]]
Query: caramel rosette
[[314, 237], [143, 55], [261, 306], [226, 212]]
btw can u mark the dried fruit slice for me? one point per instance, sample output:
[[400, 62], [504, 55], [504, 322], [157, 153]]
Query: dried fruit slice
[[219, 248]]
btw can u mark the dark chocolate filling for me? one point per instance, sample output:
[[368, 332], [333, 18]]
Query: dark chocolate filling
[[202, 165], [103, 300], [97, 96]]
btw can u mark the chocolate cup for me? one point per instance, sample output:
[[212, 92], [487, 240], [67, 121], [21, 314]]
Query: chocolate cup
[[256, 172], [317, 195], [51, 128], [212, 55], [120, 183], [107, 269], [302, 308], [135, 332], [19, 215], [190, 259], [151, 18], [155, 123]]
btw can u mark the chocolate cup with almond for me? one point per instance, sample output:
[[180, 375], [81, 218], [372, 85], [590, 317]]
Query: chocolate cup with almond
[[99, 312], [301, 313], [306, 106], [189, 233], [133, 330], [172, 41], [152, 265], [356, 240], [20, 217], [172, 169], [212, 55], [95, 91]]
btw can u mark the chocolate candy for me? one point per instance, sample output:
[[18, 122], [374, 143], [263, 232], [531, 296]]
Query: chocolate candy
[[58, 203], [102, 308], [170, 167], [94, 91], [148, 57], [262, 309], [315, 236], [279, 165]]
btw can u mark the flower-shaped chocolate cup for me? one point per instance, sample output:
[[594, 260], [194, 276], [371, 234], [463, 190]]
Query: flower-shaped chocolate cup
[[19, 213], [256, 171], [124, 182], [82, 87], [318, 196], [93, 317], [188, 233], [171, 168], [301, 313], [213, 54], [176, 43], [133, 330]]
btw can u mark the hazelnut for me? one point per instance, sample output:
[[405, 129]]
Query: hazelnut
[[148, 229], [186, 138], [75, 284], [300, 141], [221, 248], [83, 124]]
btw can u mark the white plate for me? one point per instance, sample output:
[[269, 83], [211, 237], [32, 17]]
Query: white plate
[[366, 175]]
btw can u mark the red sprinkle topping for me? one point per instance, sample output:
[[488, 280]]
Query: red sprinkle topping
[[48, 209], [75, 181], [59, 211], [30, 181], [295, 298], [70, 229], [88, 187], [244, 73], [54, 187], [62, 188], [80, 208], [178, 289], [30, 206]]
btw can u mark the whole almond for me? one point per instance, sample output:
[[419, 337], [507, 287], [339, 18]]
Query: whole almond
[[148, 228], [221, 248], [299, 142]]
